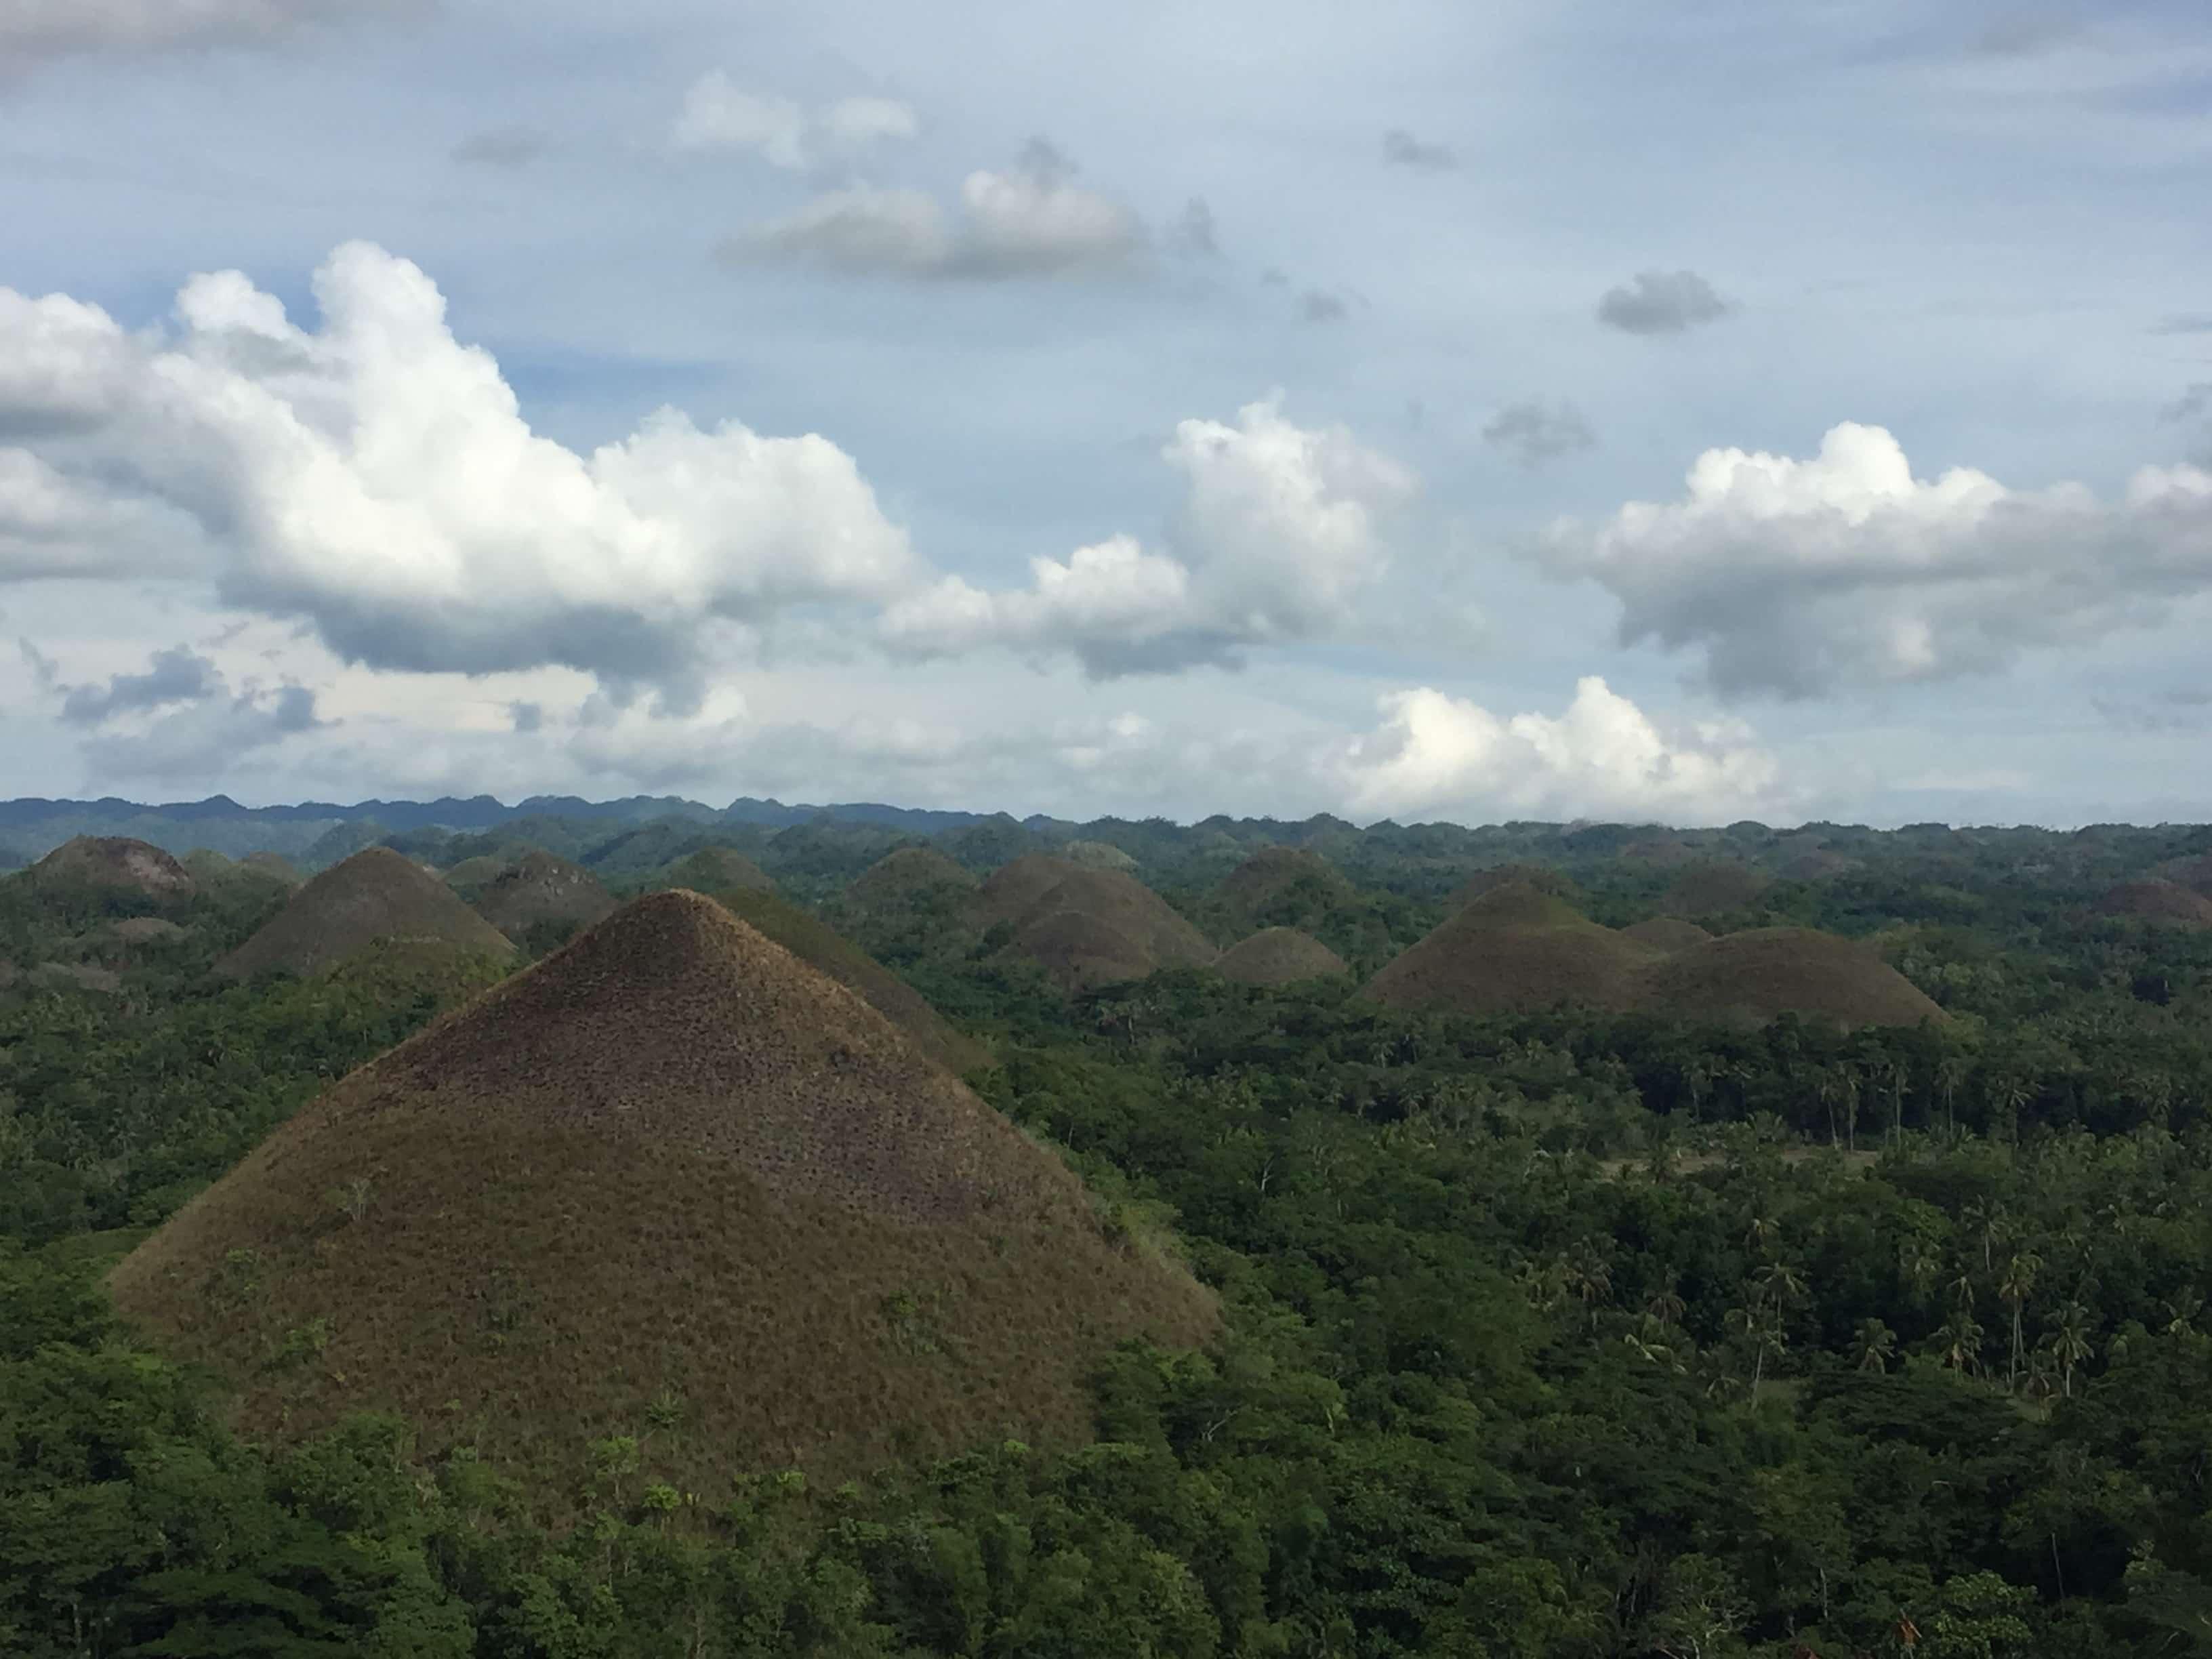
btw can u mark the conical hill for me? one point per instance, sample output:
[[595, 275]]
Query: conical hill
[[711, 869], [1279, 956], [822, 948], [906, 874], [1514, 949], [1541, 877], [669, 1166], [1088, 927], [540, 890], [1751, 977], [1712, 887], [115, 862], [1667, 932], [377, 894], [1273, 872], [2166, 902]]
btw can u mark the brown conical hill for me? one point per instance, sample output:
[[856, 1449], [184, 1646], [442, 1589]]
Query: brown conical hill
[[1751, 977], [540, 890], [1273, 872], [1667, 933], [377, 894], [2194, 873], [1081, 952], [669, 1165], [908, 874], [1515, 949], [205, 865], [472, 875], [1541, 877], [711, 869], [1708, 888], [115, 862], [2168, 902], [1279, 956], [1014, 889], [814, 943], [1097, 855]]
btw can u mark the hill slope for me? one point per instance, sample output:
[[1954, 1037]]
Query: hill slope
[[2165, 901], [1273, 872], [711, 869], [828, 952], [1514, 949], [668, 1163], [377, 894], [1751, 976], [1667, 933], [1088, 927], [1279, 956], [117, 862], [905, 874], [539, 890]]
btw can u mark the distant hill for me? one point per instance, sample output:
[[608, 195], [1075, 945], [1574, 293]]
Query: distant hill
[[540, 890], [1087, 927], [2168, 902], [115, 863], [901, 876], [1541, 877], [374, 895], [1273, 872], [712, 869], [668, 1169], [1516, 949], [1712, 887], [1667, 933], [1279, 956], [1751, 977]]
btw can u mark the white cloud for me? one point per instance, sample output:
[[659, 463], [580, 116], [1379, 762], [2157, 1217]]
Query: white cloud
[[1435, 754], [375, 478], [1801, 577], [718, 114], [1275, 536], [34, 29], [1031, 220]]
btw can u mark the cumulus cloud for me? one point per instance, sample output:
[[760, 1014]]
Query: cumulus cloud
[[1662, 303], [1400, 148], [1603, 756], [195, 740], [32, 30], [1800, 577], [374, 478], [1535, 432], [1031, 219], [1275, 536], [501, 147], [177, 675]]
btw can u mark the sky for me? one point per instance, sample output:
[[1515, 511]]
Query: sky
[[1573, 410]]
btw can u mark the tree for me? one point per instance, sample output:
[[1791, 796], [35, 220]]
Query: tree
[[2014, 1285], [2070, 1343], [1873, 1345]]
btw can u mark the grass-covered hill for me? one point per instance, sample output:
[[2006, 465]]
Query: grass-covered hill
[[375, 895], [1086, 927], [118, 863], [540, 894], [1279, 956], [669, 1174], [901, 876]]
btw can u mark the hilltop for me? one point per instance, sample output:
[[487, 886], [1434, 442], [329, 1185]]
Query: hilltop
[[376, 894], [2169, 902], [1518, 950], [1273, 872], [1540, 877], [115, 863], [1667, 933], [824, 949], [907, 873], [1711, 887], [669, 1169], [1279, 956], [539, 891], [712, 869], [1087, 927], [1514, 948]]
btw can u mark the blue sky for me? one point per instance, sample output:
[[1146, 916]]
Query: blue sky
[[1002, 474]]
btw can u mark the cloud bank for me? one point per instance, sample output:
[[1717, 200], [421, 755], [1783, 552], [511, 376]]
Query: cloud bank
[[1802, 577], [34, 30]]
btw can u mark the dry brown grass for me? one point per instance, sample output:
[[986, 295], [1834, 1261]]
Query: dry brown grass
[[1274, 870], [1097, 855], [540, 889], [374, 895], [1669, 933], [115, 862], [2194, 873], [822, 948], [905, 874], [2168, 902], [1279, 956], [711, 869], [1711, 887], [1087, 927], [670, 1160], [1515, 949], [1541, 877], [1749, 978]]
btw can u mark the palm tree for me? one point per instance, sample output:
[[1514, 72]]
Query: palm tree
[[1950, 1074], [2014, 1288], [1665, 1304], [2181, 1313], [2070, 1343], [1959, 1344], [1874, 1345], [1917, 1260]]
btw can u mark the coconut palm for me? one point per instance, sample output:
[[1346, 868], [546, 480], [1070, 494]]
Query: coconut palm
[[1959, 1344], [1873, 1345], [2070, 1343], [2014, 1285]]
